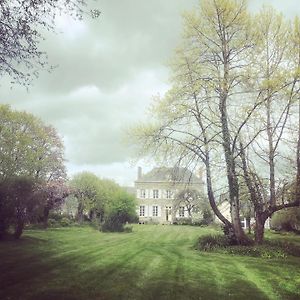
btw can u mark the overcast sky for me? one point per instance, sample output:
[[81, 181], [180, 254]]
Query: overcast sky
[[108, 70]]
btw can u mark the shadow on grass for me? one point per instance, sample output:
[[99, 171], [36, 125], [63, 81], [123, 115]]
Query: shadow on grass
[[37, 268]]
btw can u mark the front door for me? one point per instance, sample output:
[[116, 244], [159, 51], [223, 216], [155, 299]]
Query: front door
[[169, 213]]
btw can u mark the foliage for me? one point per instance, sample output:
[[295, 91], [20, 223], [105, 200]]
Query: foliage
[[87, 188], [211, 242], [192, 199], [182, 221], [21, 25], [32, 168], [287, 220], [269, 249], [29, 147], [63, 222], [120, 210], [103, 201], [18, 204], [53, 194], [234, 85], [70, 205]]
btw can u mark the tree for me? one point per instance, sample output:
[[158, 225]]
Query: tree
[[102, 200], [21, 26], [18, 204], [231, 70], [31, 157], [193, 121], [276, 86], [29, 147], [87, 188], [191, 199], [53, 194], [119, 210]]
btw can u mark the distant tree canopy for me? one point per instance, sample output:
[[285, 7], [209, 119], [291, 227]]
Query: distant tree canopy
[[21, 25], [29, 147], [32, 170], [102, 200]]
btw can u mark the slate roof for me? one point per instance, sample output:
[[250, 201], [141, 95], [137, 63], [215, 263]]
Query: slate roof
[[164, 174]]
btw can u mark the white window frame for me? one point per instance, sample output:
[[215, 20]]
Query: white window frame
[[168, 194], [142, 193], [155, 211], [181, 211], [155, 194], [142, 210]]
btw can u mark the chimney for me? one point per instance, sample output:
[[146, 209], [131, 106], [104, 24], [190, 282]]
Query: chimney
[[139, 175]]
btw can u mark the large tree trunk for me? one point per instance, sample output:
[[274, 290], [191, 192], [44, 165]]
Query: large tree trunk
[[241, 237], [211, 196], [19, 229], [46, 216], [80, 213], [248, 224], [260, 221]]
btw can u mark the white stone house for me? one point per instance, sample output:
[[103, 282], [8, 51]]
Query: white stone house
[[155, 192], [224, 207]]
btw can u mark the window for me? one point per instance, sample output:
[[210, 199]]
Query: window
[[142, 211], [155, 211], [181, 211], [168, 194], [142, 193], [155, 194], [243, 223]]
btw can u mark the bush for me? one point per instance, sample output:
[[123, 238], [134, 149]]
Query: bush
[[59, 220], [182, 221], [269, 249], [120, 211], [65, 222], [211, 242], [287, 220], [52, 222]]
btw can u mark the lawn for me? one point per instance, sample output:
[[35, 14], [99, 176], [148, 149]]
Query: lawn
[[152, 262]]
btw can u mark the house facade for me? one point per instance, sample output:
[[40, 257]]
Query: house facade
[[156, 192], [224, 207]]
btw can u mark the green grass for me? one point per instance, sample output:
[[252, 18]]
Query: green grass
[[152, 262]]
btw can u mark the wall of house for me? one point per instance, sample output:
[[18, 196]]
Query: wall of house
[[160, 195]]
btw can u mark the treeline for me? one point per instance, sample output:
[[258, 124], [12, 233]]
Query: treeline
[[33, 179]]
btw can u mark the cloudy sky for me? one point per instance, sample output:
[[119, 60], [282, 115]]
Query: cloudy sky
[[108, 70]]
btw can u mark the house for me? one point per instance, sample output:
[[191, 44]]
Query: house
[[224, 207], [156, 193]]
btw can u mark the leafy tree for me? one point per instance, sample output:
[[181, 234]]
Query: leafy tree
[[87, 189], [120, 209], [18, 204], [194, 121], [287, 219], [29, 147], [275, 71], [31, 157], [21, 26], [233, 106], [191, 199], [53, 194], [102, 200]]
